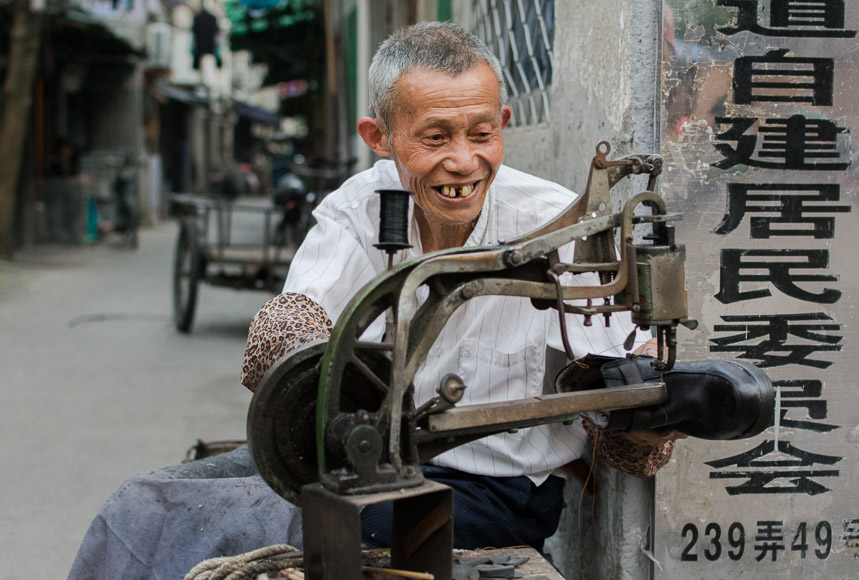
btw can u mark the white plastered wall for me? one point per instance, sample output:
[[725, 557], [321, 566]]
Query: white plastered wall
[[605, 87]]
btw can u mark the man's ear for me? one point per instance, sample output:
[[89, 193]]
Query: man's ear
[[374, 136], [506, 113]]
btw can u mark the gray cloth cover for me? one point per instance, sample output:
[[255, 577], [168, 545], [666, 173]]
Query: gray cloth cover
[[227, 509]]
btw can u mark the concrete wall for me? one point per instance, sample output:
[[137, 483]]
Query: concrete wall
[[605, 87]]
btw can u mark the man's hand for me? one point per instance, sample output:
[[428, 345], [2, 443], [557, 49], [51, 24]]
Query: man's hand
[[656, 437], [649, 348]]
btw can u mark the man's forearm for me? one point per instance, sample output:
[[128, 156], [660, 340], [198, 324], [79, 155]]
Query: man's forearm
[[283, 324]]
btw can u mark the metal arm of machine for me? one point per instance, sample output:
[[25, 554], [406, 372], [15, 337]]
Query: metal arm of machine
[[378, 442]]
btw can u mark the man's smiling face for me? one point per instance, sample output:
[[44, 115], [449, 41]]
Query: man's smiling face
[[446, 140]]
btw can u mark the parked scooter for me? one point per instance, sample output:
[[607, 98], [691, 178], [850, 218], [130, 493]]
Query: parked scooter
[[291, 194]]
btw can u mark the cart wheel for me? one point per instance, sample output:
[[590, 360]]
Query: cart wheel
[[187, 269]]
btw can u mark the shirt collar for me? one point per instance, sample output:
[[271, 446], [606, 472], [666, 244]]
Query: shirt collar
[[478, 234], [476, 238]]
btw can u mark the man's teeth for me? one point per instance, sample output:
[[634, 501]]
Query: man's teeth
[[450, 191]]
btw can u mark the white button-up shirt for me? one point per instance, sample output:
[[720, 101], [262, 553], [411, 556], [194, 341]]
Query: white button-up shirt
[[496, 344]]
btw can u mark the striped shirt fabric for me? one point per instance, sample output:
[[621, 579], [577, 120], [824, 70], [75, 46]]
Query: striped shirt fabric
[[496, 344]]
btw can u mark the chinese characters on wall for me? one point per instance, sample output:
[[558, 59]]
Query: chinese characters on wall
[[758, 115], [795, 143]]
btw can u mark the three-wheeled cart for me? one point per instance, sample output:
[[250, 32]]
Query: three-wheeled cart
[[247, 243]]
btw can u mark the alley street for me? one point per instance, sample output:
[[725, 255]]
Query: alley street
[[96, 385]]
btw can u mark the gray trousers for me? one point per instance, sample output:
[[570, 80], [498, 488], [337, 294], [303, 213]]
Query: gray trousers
[[226, 509]]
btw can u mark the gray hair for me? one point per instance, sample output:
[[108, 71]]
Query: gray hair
[[436, 46]]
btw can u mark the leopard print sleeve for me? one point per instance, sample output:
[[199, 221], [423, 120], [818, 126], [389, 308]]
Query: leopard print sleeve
[[283, 324], [639, 459]]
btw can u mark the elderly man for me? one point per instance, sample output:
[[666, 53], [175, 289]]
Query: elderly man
[[437, 113]]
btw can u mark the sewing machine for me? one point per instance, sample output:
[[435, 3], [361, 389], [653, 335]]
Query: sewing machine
[[333, 426]]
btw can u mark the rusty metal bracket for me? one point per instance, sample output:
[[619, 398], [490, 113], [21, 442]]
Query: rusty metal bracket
[[421, 531]]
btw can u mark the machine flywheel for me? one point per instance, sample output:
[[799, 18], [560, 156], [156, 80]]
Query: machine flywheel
[[281, 423]]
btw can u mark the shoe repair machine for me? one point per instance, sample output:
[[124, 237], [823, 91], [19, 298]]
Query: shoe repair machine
[[333, 426]]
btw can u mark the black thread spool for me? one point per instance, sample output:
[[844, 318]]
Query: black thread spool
[[393, 221]]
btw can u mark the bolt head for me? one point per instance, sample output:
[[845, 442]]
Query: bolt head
[[514, 257]]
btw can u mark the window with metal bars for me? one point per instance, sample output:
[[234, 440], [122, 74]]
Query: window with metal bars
[[521, 33]]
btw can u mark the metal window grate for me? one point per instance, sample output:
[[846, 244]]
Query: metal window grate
[[521, 33]]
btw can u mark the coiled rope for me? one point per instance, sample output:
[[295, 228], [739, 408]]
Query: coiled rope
[[277, 558], [284, 559]]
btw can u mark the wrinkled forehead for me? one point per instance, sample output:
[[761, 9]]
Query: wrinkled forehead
[[406, 91]]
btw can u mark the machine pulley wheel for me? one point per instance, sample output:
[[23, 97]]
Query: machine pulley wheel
[[281, 423], [187, 272]]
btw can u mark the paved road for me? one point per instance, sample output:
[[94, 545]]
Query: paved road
[[96, 385]]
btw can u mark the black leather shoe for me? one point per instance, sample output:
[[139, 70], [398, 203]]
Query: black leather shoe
[[710, 399]]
